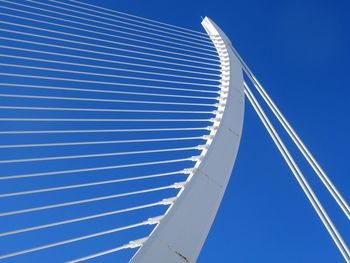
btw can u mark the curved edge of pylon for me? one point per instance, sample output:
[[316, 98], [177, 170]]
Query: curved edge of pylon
[[181, 233]]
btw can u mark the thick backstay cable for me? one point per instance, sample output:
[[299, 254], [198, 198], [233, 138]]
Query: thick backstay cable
[[300, 177], [294, 168], [297, 140]]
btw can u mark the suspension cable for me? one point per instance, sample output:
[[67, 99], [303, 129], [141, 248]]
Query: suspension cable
[[103, 120], [178, 38], [74, 186], [68, 157], [96, 59], [110, 41], [108, 68], [191, 54], [92, 51], [103, 110], [205, 41], [80, 219], [101, 168], [139, 18], [107, 75], [89, 200], [74, 240], [106, 83], [103, 100], [106, 252], [110, 91], [167, 26], [104, 131], [9, 146], [131, 34], [214, 53], [110, 47], [143, 36]]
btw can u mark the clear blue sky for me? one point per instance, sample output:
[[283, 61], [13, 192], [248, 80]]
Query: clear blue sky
[[299, 50]]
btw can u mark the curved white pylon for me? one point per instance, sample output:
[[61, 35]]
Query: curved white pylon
[[180, 235]]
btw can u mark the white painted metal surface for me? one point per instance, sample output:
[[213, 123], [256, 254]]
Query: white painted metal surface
[[180, 235]]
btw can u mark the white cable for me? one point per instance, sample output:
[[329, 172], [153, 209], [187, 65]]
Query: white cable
[[74, 186], [297, 140], [103, 110], [129, 33], [85, 73], [79, 219], [178, 38], [205, 41], [108, 68], [72, 240], [300, 177], [105, 34], [109, 41], [106, 252], [138, 20], [306, 153], [103, 131], [101, 168], [198, 37], [97, 45], [98, 59], [98, 142], [103, 120], [91, 51], [69, 157], [142, 18], [89, 200], [83, 156], [108, 91], [104, 100], [107, 83]]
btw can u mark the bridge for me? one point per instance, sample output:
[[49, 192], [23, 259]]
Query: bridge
[[119, 134]]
